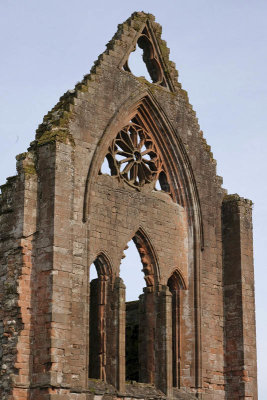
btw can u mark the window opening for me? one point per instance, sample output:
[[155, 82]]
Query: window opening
[[137, 65], [133, 157], [133, 277], [93, 273], [105, 169], [162, 183], [94, 342], [97, 319], [175, 285], [151, 67], [157, 185]]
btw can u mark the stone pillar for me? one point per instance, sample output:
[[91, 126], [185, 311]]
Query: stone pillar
[[163, 341], [102, 304], [176, 338], [97, 342], [147, 336], [94, 345], [239, 304], [116, 334]]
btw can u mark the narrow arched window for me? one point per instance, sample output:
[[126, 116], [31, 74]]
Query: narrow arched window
[[99, 290], [133, 278], [140, 310], [176, 284]]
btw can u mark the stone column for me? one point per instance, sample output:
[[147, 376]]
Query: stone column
[[163, 341], [147, 336], [94, 338], [239, 303], [97, 352], [116, 334], [176, 337]]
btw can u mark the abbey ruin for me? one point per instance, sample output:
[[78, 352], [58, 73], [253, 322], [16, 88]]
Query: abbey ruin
[[64, 336]]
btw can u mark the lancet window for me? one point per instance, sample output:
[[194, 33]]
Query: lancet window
[[99, 293], [140, 321], [176, 285]]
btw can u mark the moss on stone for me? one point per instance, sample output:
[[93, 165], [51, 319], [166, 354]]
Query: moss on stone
[[10, 288], [9, 183], [165, 51], [11, 179], [152, 86], [29, 169], [21, 156], [53, 136], [61, 113], [236, 198]]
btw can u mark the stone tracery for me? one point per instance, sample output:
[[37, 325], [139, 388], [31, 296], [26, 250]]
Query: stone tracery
[[133, 156], [151, 58], [146, 259]]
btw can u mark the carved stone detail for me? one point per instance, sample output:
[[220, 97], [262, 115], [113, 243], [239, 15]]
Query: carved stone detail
[[150, 57], [133, 156], [146, 260]]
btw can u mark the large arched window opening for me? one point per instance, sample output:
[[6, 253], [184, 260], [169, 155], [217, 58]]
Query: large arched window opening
[[146, 153], [176, 284], [139, 273], [99, 287], [133, 278]]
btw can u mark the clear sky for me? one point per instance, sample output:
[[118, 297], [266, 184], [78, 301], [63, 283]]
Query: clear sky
[[219, 48]]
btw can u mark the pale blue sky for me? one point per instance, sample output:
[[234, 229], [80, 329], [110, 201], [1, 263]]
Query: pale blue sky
[[219, 48]]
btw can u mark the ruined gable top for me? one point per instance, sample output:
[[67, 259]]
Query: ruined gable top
[[55, 123], [156, 52], [55, 126]]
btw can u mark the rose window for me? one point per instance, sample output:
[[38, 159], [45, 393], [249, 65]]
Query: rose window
[[133, 157]]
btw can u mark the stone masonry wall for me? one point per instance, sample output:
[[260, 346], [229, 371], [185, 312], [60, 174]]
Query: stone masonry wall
[[240, 343], [59, 215]]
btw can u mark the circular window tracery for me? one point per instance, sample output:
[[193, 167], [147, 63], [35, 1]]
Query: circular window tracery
[[134, 156]]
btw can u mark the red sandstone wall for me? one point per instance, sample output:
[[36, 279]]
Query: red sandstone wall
[[67, 225]]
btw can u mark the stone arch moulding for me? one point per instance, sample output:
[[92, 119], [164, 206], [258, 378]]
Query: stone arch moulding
[[171, 148], [103, 264], [148, 257], [176, 284], [177, 274], [147, 307], [180, 173], [97, 336]]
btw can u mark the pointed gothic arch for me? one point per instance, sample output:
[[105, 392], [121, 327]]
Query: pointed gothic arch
[[176, 280], [99, 334], [145, 108], [148, 257], [145, 308], [103, 265], [176, 284]]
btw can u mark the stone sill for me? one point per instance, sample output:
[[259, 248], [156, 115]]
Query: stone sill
[[135, 390]]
